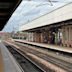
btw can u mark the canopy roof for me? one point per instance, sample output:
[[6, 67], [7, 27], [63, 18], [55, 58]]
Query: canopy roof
[[7, 7], [28, 10]]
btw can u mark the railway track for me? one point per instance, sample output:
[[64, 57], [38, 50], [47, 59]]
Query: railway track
[[25, 63], [51, 50], [64, 56], [61, 63]]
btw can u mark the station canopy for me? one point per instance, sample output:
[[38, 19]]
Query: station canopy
[[31, 9], [7, 7]]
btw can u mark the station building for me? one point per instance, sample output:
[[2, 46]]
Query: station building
[[52, 28]]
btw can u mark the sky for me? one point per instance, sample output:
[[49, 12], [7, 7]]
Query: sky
[[29, 10]]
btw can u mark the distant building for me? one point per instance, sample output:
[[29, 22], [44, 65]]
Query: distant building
[[5, 35]]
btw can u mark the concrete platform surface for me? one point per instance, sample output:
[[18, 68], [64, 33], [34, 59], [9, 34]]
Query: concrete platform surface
[[55, 47], [1, 62], [9, 63]]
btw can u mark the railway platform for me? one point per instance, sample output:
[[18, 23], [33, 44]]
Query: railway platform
[[39, 55], [7, 61], [1, 62], [53, 47]]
